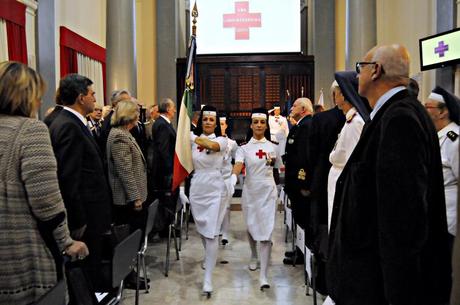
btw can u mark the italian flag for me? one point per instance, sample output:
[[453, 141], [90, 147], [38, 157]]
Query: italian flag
[[183, 164]]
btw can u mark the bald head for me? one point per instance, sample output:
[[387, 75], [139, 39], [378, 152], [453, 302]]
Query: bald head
[[301, 107], [383, 68], [395, 61]]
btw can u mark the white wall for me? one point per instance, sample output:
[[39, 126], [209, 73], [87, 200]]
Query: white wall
[[405, 22], [87, 18]]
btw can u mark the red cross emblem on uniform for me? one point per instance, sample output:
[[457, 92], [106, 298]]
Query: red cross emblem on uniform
[[260, 154], [200, 148], [242, 20]]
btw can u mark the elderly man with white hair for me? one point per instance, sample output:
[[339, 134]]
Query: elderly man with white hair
[[297, 178], [388, 237]]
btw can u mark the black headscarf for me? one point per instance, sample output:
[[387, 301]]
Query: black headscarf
[[348, 84], [452, 103], [199, 126], [267, 131]]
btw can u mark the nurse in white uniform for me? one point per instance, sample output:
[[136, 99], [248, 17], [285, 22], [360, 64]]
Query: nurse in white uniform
[[279, 129], [345, 95], [259, 196], [444, 109], [230, 151], [207, 188]]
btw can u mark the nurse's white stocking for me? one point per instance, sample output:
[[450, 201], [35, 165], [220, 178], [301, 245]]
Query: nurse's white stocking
[[226, 224], [253, 245], [265, 250], [210, 261]]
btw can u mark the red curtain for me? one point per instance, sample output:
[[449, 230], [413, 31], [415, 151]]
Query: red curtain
[[68, 61], [14, 14], [71, 43]]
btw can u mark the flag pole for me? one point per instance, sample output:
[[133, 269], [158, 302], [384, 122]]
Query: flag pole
[[183, 164]]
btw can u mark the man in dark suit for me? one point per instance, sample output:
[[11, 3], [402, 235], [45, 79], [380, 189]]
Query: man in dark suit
[[455, 297], [164, 141], [115, 97], [53, 114], [86, 196], [297, 175], [325, 128], [388, 238]]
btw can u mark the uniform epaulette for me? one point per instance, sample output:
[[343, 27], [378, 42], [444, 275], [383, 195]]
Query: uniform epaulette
[[351, 118], [452, 135]]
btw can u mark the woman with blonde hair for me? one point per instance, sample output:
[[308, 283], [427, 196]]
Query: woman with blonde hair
[[127, 166], [29, 193]]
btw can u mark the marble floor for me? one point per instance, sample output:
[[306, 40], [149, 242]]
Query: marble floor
[[233, 282]]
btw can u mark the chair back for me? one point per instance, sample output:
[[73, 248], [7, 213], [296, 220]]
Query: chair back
[[152, 213], [124, 256], [55, 295]]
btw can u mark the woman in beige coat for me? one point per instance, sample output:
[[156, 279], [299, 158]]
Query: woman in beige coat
[[29, 192], [127, 166]]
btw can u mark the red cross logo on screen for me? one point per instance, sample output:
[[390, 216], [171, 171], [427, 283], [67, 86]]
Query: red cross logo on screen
[[242, 20], [260, 154]]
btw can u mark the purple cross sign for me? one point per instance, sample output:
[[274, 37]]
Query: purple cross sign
[[441, 48]]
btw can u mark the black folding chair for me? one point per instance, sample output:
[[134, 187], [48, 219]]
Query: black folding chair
[[151, 215], [55, 295], [124, 258]]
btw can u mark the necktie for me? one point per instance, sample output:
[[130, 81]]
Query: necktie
[[88, 125]]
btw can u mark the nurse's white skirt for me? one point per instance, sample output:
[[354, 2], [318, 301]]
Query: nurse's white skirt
[[207, 191], [258, 202]]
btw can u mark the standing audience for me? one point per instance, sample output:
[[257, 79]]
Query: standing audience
[[444, 109], [164, 141], [127, 166], [115, 97], [81, 175], [297, 175], [388, 238], [355, 109], [31, 206], [455, 296], [127, 172]]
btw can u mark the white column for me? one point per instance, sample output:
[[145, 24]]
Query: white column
[[121, 66], [46, 50], [361, 33]]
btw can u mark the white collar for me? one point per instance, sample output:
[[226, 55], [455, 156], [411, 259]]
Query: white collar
[[211, 136], [166, 118], [78, 115], [451, 126], [254, 140], [384, 98]]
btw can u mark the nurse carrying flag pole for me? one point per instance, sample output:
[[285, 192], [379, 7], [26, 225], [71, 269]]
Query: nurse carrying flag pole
[[183, 164]]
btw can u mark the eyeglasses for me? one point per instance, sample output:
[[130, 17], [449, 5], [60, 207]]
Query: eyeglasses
[[433, 107], [360, 64]]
